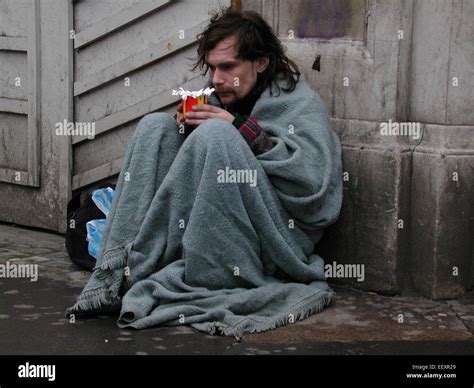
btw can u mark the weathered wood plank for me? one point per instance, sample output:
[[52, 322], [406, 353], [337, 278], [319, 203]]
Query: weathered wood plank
[[12, 17], [167, 46], [132, 112], [34, 95], [14, 82], [13, 43], [63, 145], [13, 106], [117, 20], [96, 174], [17, 177]]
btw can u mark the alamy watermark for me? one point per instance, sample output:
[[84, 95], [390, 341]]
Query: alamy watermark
[[67, 128], [28, 370], [345, 271], [15, 271], [229, 175], [393, 128]]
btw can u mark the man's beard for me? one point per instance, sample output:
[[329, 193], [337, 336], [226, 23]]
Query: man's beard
[[228, 93], [240, 104]]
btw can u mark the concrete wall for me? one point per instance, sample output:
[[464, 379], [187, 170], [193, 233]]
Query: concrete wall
[[408, 200], [442, 95]]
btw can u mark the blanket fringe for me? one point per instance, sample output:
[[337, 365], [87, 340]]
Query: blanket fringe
[[101, 299], [114, 258], [94, 301], [303, 310]]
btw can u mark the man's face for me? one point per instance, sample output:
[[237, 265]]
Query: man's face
[[233, 78]]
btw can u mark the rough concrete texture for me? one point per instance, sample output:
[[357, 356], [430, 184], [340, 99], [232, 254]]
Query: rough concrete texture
[[373, 228], [442, 204], [367, 229], [442, 51], [32, 318], [407, 209], [424, 77], [375, 66]]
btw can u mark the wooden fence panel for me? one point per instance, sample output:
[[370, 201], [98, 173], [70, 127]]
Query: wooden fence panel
[[127, 61], [19, 95]]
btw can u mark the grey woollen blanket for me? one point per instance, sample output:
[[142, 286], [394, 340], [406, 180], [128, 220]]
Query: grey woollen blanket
[[228, 258]]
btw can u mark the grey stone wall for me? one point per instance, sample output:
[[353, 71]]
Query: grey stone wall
[[408, 199]]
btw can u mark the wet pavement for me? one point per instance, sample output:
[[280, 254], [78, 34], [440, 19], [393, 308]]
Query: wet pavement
[[32, 318]]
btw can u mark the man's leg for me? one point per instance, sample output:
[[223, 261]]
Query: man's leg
[[151, 152], [233, 233], [216, 227], [199, 212], [152, 149]]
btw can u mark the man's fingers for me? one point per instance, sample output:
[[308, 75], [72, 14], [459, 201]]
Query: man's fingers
[[199, 115], [195, 122], [205, 108]]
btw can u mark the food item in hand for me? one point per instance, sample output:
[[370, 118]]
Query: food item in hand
[[193, 98]]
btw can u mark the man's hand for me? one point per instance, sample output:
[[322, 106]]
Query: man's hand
[[180, 114], [204, 112]]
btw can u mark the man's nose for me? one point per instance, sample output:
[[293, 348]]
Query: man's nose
[[217, 78]]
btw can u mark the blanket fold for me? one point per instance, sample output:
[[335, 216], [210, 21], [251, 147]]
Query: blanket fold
[[203, 233]]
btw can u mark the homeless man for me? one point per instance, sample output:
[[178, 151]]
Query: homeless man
[[186, 241]]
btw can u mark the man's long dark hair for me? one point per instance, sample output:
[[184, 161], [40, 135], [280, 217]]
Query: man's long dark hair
[[255, 39]]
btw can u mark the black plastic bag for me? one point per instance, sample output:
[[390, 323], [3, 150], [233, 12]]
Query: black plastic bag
[[78, 215]]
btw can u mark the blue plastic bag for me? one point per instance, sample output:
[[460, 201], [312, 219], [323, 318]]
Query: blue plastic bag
[[103, 199], [95, 229]]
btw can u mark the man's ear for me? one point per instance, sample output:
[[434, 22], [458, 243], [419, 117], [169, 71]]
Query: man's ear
[[262, 64]]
